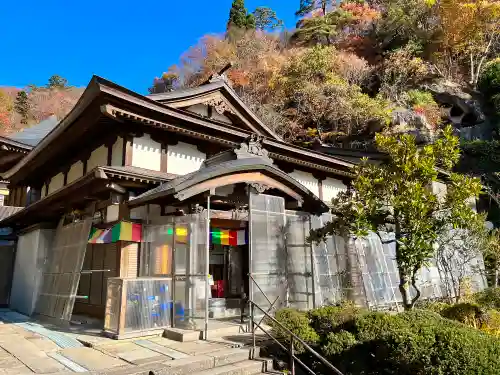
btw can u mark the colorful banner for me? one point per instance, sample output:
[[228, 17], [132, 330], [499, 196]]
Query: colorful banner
[[228, 237], [123, 231]]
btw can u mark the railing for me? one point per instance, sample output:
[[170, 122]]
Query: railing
[[293, 338]]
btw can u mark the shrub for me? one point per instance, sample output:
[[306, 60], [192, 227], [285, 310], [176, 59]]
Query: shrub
[[434, 306], [488, 298], [468, 313], [416, 342], [489, 82], [298, 323], [327, 318]]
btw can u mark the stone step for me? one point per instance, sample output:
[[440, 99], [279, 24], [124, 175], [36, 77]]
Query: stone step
[[215, 330], [229, 359], [248, 367]]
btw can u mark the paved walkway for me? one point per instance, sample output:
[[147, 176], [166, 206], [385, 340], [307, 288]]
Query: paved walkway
[[23, 351]]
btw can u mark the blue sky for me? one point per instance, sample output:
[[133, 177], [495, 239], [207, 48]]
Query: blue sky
[[128, 42]]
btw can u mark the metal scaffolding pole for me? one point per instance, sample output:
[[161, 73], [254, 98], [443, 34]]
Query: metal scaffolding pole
[[207, 267]]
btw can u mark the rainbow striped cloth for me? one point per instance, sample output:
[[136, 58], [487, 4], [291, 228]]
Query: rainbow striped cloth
[[123, 231], [228, 237]]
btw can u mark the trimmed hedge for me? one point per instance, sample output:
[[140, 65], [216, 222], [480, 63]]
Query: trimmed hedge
[[415, 342]]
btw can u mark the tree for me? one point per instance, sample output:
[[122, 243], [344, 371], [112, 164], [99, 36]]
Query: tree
[[470, 34], [457, 249], [398, 197], [309, 6], [57, 82], [5, 110], [239, 17], [22, 106], [266, 19]]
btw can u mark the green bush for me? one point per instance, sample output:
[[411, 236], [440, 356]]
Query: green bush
[[488, 298], [434, 306], [468, 313], [420, 98], [416, 342], [298, 323], [327, 318], [489, 82]]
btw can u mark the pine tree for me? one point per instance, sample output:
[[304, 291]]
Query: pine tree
[[266, 19], [22, 106], [239, 17], [57, 82]]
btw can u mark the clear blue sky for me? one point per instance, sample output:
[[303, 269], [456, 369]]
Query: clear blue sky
[[128, 42]]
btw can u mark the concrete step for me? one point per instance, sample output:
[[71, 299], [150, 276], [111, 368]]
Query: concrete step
[[248, 367], [215, 330], [232, 361]]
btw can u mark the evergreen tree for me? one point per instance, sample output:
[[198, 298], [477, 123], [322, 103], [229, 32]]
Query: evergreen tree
[[266, 19], [239, 17], [22, 106], [57, 82]]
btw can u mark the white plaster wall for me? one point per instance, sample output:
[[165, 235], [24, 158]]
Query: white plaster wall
[[75, 172], [331, 188], [99, 157], [199, 109], [117, 152], [308, 180], [31, 255], [146, 153], [217, 116], [184, 158], [56, 183]]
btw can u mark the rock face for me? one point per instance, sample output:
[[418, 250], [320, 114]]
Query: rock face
[[410, 122], [461, 106]]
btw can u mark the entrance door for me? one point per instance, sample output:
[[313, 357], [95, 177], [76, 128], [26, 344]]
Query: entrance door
[[101, 262]]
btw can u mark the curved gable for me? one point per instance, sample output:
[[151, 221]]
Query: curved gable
[[219, 101]]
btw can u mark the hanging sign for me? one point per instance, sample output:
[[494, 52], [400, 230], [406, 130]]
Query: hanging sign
[[228, 237], [123, 231]]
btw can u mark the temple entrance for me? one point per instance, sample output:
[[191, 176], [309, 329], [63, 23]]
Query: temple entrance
[[228, 267]]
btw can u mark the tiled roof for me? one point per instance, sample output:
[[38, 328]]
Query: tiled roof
[[6, 211], [140, 172]]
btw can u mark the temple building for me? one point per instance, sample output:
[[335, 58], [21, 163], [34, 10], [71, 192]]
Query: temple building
[[149, 212]]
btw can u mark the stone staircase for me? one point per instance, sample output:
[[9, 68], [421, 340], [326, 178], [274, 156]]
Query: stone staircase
[[231, 361]]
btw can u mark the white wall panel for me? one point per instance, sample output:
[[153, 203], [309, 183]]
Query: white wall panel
[[146, 153], [331, 188], [56, 183], [308, 180], [184, 158], [99, 157], [75, 172]]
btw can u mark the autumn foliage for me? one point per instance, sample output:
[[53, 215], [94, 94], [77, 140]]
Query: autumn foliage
[[340, 74]]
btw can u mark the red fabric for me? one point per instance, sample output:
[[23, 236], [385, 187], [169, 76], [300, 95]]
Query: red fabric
[[220, 288], [233, 238]]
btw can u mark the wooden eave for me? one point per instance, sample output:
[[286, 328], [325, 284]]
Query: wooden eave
[[14, 146], [127, 174], [105, 104], [53, 205]]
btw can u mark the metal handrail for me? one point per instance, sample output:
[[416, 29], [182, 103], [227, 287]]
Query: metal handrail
[[290, 350]]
